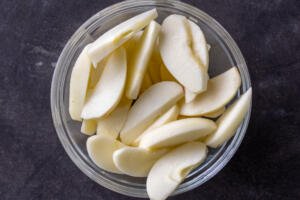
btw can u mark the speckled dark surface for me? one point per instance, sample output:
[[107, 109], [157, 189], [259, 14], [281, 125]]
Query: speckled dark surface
[[33, 164]]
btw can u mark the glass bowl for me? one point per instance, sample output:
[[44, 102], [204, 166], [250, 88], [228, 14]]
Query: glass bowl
[[224, 54]]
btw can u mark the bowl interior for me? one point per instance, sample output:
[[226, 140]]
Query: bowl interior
[[223, 55]]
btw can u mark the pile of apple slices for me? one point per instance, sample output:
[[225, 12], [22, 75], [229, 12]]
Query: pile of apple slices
[[144, 89]]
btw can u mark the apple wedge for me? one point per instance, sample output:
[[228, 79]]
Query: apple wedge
[[220, 90], [177, 54], [109, 89], [95, 74], [79, 84], [177, 132], [167, 117], [146, 83], [165, 74], [153, 102], [229, 122], [100, 149], [112, 124], [189, 96], [216, 113], [137, 65], [115, 37], [135, 161], [172, 168], [88, 127]]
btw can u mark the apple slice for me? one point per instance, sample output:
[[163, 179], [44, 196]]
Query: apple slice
[[220, 90], [230, 120], [79, 84], [115, 37], [100, 149], [177, 132], [153, 102], [167, 117], [135, 161], [172, 168], [88, 127], [137, 65], [165, 74], [109, 89], [112, 124], [178, 56], [216, 113], [189, 95], [95, 74], [146, 83]]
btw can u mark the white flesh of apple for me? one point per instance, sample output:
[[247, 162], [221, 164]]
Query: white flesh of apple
[[95, 74], [216, 113], [100, 149], [112, 124], [189, 95], [88, 127], [177, 132], [115, 37], [135, 161], [137, 65], [172, 168], [109, 89], [220, 90], [230, 120], [146, 83], [178, 56], [152, 103], [167, 117], [79, 84]]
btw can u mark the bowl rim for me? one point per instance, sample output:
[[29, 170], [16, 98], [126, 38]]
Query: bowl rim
[[56, 92]]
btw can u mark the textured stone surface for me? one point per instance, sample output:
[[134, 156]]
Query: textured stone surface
[[33, 163]]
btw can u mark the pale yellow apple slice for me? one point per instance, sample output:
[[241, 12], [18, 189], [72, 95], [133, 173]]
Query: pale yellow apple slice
[[172, 168], [189, 96], [220, 90], [79, 84], [115, 37], [112, 124], [178, 56], [167, 117], [95, 74], [230, 120], [135, 161], [153, 70], [216, 113], [100, 149], [137, 65], [88, 127], [109, 89], [165, 74], [177, 132], [147, 82], [152, 103]]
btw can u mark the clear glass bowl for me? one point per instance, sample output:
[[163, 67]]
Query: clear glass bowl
[[224, 54]]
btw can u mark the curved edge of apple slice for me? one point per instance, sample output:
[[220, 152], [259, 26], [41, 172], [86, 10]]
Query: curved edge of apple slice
[[216, 113], [88, 127]]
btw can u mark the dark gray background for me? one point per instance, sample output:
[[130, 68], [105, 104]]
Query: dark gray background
[[33, 164]]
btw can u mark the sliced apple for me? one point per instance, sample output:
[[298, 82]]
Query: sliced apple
[[79, 84], [167, 117], [112, 124], [135, 161], [88, 127], [109, 89], [146, 83], [189, 95], [153, 69], [100, 149], [137, 65], [115, 37], [220, 90], [230, 120], [165, 74], [177, 132], [95, 74], [153, 102], [172, 168], [177, 54], [216, 113]]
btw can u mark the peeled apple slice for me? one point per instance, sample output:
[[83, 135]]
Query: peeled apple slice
[[189, 95], [78, 85], [135, 161], [167, 117], [230, 120], [216, 113], [172, 168], [109, 89], [165, 74], [112, 124], [152, 103], [95, 74], [118, 35], [146, 83], [177, 132], [178, 56], [100, 149], [88, 127], [137, 65], [220, 90]]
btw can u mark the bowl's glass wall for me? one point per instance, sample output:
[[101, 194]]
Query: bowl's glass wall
[[223, 54]]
